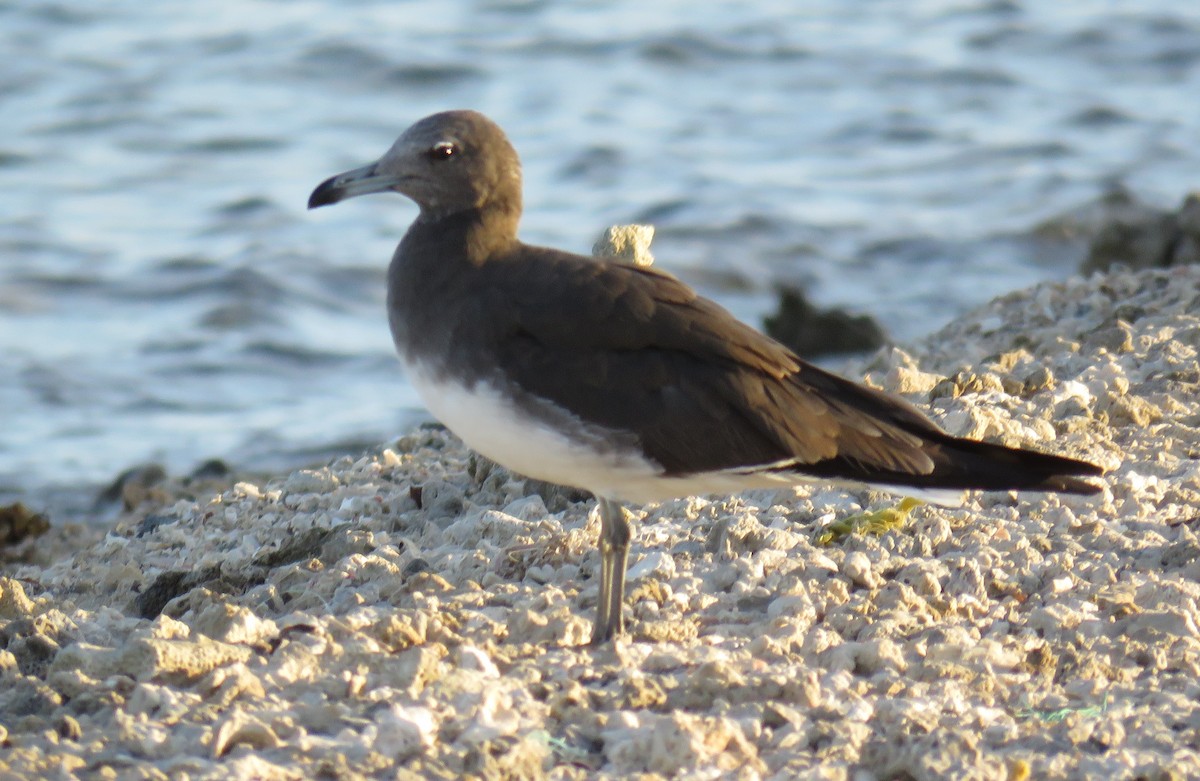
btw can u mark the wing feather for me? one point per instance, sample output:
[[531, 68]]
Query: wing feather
[[706, 391]]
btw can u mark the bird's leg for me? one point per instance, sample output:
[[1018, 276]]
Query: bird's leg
[[614, 554]]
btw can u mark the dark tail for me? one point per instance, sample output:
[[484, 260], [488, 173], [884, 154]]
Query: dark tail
[[957, 463], [966, 463], [971, 465]]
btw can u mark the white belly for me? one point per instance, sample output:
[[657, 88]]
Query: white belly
[[491, 424]]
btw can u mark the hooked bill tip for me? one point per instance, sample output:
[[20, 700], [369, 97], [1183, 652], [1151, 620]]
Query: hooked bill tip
[[326, 193]]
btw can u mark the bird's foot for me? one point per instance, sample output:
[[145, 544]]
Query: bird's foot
[[602, 636], [609, 624]]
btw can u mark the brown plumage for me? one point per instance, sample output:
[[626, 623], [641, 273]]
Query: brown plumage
[[636, 387]]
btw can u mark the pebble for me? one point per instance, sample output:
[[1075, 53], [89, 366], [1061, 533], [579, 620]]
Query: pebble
[[653, 564], [472, 658], [857, 567], [627, 243], [13, 601], [406, 731], [243, 730]]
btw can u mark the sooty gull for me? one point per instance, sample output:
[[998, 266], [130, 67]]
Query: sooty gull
[[620, 379]]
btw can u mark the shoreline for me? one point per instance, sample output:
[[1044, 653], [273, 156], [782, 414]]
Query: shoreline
[[420, 613]]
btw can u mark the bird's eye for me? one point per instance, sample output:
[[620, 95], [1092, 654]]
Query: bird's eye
[[443, 150]]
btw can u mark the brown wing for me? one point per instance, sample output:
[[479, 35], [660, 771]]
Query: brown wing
[[706, 391]]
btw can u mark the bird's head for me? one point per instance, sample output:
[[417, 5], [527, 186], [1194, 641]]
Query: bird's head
[[446, 163]]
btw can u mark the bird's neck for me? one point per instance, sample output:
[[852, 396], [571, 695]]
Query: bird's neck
[[439, 257], [471, 236], [435, 277]]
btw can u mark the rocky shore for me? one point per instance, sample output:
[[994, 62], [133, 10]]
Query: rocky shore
[[419, 613]]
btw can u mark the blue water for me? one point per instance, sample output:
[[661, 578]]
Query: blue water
[[165, 296]]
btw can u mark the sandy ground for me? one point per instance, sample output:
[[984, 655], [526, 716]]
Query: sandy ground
[[417, 613]]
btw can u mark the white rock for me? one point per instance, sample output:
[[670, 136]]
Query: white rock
[[404, 731], [235, 624], [472, 658], [857, 567], [654, 563], [627, 243], [527, 508]]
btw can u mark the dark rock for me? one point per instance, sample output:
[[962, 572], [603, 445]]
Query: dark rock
[[810, 331], [151, 523], [19, 523], [324, 544], [485, 472], [556, 497], [133, 486], [68, 727], [27, 697], [1142, 244], [174, 584], [1117, 204], [415, 567], [1041, 378], [1187, 250], [441, 500], [167, 586], [1138, 236], [212, 469], [306, 545], [149, 486], [34, 653]]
